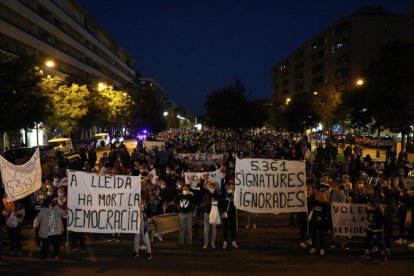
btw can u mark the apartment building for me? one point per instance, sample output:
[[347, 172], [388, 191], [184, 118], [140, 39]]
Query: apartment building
[[65, 38], [339, 54]]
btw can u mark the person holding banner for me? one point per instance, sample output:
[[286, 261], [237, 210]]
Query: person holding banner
[[49, 221], [229, 216], [210, 197]]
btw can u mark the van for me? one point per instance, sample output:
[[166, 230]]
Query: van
[[62, 144], [102, 140]]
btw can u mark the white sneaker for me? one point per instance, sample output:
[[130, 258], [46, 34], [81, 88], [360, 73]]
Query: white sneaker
[[142, 247], [410, 245], [213, 245], [234, 244], [312, 250], [374, 249], [205, 246], [224, 245], [309, 241], [322, 252], [401, 241], [303, 244]]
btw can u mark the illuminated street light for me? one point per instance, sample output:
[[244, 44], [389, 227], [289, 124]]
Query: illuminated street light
[[124, 94], [50, 63], [165, 113], [288, 100], [315, 93], [359, 82], [101, 86]]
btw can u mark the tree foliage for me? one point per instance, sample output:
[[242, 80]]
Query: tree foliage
[[69, 103], [326, 103], [230, 108], [390, 86], [299, 113], [147, 107], [21, 100]]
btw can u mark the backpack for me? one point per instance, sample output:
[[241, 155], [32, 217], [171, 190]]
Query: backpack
[[12, 221]]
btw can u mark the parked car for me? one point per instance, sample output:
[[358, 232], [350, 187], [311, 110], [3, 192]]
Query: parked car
[[102, 140], [62, 144]]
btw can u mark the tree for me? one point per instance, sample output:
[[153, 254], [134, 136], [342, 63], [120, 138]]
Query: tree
[[325, 104], [227, 107], [276, 116], [147, 107], [21, 99], [69, 103], [299, 113], [389, 87]]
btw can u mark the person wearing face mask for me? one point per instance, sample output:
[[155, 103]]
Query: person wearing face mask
[[185, 206], [198, 192], [49, 221], [386, 198], [210, 197], [229, 217], [361, 194]]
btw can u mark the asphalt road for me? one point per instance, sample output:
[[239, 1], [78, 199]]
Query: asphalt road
[[271, 249]]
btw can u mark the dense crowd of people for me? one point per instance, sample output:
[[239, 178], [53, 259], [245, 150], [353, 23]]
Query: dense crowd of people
[[353, 179]]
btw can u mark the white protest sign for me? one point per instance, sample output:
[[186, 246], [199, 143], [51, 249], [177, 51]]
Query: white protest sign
[[270, 186], [21, 180], [348, 219], [201, 158], [192, 177], [153, 144], [103, 203]]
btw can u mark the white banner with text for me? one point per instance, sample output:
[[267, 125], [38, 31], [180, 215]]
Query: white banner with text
[[103, 203], [270, 186], [21, 180]]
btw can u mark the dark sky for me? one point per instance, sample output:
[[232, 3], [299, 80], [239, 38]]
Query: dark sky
[[193, 47]]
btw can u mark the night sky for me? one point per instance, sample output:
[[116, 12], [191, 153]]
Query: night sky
[[193, 47]]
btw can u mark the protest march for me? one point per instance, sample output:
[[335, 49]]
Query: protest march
[[168, 186]]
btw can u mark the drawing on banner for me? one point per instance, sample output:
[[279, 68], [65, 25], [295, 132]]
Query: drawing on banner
[[270, 186], [103, 204], [21, 180], [191, 178], [348, 219], [201, 158]]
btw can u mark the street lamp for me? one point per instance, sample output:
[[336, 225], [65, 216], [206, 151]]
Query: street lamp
[[288, 101], [165, 113], [50, 63], [101, 86], [359, 82], [315, 93]]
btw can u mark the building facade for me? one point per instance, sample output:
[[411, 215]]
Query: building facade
[[62, 35], [339, 54]]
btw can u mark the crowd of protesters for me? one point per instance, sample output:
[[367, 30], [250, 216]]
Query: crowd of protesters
[[355, 179]]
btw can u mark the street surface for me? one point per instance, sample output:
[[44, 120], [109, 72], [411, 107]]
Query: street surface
[[271, 249]]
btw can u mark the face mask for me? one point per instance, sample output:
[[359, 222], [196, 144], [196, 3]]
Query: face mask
[[152, 166], [167, 172], [141, 171], [61, 194], [49, 193], [229, 191], [198, 188], [60, 203], [185, 192], [211, 190], [179, 187]]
